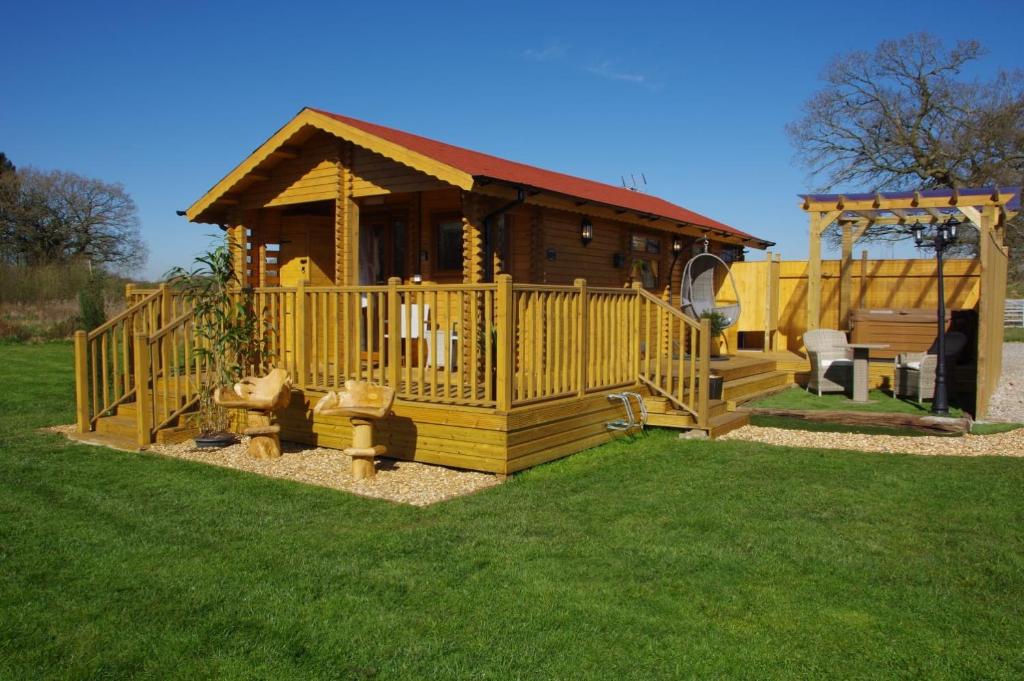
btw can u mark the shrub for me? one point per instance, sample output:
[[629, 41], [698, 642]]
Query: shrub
[[91, 310]]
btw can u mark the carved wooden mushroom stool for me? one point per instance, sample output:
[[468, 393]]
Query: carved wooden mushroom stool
[[363, 403], [260, 397]]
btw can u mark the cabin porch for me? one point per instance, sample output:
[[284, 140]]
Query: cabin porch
[[534, 388]]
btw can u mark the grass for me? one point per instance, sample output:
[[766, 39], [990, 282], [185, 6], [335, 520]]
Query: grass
[[1013, 334], [651, 559], [994, 428], [882, 402]]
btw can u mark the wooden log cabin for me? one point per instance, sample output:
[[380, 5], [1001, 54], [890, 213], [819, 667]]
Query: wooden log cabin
[[506, 304]]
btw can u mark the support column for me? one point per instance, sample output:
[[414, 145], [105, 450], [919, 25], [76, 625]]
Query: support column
[[846, 278], [819, 223], [346, 222], [814, 274], [237, 243], [472, 240]]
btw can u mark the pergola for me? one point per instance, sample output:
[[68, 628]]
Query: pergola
[[987, 209]]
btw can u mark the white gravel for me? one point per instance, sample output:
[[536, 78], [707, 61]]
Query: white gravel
[[1007, 403], [404, 482], [1001, 444]]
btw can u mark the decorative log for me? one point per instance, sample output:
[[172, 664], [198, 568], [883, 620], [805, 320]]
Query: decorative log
[[925, 424]]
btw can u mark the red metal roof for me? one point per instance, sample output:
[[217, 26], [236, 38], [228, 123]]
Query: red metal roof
[[481, 165]]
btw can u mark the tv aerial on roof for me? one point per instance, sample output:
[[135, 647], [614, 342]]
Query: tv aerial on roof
[[632, 186]]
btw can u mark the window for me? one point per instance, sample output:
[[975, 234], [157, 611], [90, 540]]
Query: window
[[449, 242]]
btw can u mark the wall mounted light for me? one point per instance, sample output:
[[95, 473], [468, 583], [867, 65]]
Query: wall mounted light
[[586, 231], [417, 278], [677, 245]]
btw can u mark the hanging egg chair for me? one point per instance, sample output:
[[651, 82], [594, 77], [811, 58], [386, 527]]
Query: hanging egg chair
[[697, 292]]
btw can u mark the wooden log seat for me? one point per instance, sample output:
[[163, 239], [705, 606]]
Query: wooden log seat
[[260, 397], [363, 403]]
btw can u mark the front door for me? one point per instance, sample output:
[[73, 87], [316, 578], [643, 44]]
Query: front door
[[307, 250], [382, 245]]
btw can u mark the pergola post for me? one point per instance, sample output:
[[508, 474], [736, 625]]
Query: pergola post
[[814, 274], [851, 233], [819, 223]]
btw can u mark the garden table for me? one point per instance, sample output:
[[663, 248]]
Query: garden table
[[860, 368]]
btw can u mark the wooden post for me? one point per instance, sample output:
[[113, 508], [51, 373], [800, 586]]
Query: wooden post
[[704, 378], [846, 278], [262, 266], [143, 392], [301, 335], [819, 223], [166, 316], [394, 361], [638, 286], [814, 274], [82, 381], [504, 322], [472, 240], [582, 334], [863, 279]]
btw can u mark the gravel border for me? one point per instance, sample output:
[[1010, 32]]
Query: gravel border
[[1002, 444], [1007, 402], [404, 482]]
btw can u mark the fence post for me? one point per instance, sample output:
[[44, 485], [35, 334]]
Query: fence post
[[300, 333], [143, 394], [637, 328], [504, 322], [82, 381], [704, 366], [166, 316], [582, 333], [393, 359]]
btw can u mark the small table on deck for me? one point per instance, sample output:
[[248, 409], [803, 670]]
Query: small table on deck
[[860, 368]]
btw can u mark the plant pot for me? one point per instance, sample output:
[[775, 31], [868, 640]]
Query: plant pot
[[715, 387], [215, 440]]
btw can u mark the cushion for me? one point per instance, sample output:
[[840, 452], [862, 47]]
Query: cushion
[[826, 363]]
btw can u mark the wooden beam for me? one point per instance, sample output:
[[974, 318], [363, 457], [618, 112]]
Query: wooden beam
[[972, 214]]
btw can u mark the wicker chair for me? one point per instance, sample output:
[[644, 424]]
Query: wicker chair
[[915, 371], [831, 361]]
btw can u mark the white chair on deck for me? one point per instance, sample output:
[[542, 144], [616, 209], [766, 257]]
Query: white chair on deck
[[440, 342], [831, 361]]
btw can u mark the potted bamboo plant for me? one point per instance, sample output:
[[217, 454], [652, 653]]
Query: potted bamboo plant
[[719, 323], [230, 337]]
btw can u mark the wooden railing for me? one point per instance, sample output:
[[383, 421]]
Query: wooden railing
[[498, 345], [173, 375], [104, 372], [674, 355]]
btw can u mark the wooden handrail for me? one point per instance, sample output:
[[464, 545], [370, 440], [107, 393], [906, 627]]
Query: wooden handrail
[[647, 295], [168, 328], [110, 323]]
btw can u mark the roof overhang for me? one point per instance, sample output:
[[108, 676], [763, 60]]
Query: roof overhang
[[277, 147]]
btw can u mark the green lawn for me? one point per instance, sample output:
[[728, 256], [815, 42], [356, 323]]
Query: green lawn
[[655, 559], [798, 398], [1013, 334]]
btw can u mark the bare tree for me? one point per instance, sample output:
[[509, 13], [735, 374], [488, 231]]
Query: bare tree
[[57, 217], [904, 117]]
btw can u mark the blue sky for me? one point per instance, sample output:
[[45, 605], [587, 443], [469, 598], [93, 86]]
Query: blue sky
[[167, 97]]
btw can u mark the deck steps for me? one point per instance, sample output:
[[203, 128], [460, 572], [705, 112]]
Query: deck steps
[[120, 427], [724, 423], [741, 390]]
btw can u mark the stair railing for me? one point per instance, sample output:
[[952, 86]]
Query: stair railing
[[169, 376], [104, 376], [674, 359]]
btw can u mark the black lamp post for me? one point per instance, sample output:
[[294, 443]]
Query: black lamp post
[[945, 235]]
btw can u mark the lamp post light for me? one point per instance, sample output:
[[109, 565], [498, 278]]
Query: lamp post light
[[945, 235]]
